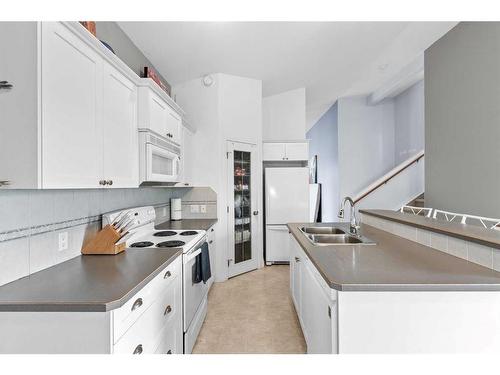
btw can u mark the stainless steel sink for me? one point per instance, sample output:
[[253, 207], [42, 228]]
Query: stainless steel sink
[[319, 239], [322, 230], [332, 235]]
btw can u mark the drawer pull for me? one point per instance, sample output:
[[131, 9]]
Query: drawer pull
[[167, 274], [210, 242], [137, 304], [168, 310], [297, 259], [138, 349], [169, 352]]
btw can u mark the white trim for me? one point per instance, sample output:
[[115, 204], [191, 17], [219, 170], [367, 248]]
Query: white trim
[[416, 210]]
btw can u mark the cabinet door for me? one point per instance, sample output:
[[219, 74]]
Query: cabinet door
[[297, 151], [174, 123], [295, 273], [277, 249], [273, 151], [120, 153], [158, 114], [315, 312], [71, 110]]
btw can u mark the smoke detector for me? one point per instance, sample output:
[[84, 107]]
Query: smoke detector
[[207, 80]]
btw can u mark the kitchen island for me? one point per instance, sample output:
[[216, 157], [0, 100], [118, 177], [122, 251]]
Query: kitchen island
[[393, 296]]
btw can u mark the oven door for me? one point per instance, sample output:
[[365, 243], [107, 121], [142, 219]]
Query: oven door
[[193, 293], [161, 165]]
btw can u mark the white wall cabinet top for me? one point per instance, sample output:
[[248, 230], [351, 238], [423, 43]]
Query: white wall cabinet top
[[156, 114], [78, 127], [285, 151]]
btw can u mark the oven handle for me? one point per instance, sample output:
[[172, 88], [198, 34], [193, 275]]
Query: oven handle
[[192, 255], [195, 250]]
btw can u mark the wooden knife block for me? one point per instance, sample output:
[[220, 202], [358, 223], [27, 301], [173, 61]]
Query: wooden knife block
[[104, 242]]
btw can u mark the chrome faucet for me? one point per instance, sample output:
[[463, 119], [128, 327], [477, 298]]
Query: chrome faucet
[[353, 226]]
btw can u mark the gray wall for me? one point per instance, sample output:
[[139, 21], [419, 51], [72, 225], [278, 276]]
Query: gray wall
[[366, 142], [124, 48], [323, 142], [462, 120], [409, 122]]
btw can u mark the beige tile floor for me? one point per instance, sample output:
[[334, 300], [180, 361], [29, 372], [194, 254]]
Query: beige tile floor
[[252, 313]]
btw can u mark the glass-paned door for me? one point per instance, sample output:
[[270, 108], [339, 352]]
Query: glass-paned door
[[242, 208]]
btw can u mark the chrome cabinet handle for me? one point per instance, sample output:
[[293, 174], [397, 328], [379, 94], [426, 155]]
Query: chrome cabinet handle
[[4, 182], [168, 310], [167, 274], [210, 242], [211, 230], [137, 304], [256, 213], [169, 352], [297, 259], [138, 349]]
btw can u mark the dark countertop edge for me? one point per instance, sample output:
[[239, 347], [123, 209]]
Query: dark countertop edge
[[171, 224], [440, 228], [395, 287], [86, 307], [332, 285]]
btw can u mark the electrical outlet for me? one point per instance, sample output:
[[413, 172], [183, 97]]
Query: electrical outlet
[[195, 208], [63, 241], [203, 208]]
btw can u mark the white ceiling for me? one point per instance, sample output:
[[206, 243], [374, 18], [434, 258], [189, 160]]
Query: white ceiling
[[329, 59]]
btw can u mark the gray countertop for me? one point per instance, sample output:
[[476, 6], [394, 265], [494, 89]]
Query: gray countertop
[[473, 233], [87, 283], [187, 224], [393, 264]]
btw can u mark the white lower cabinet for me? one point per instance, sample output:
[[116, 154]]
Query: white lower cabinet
[[150, 322], [158, 325], [314, 302]]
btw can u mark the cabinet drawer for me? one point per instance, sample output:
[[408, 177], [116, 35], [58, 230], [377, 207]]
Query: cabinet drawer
[[144, 334], [126, 315], [170, 339]]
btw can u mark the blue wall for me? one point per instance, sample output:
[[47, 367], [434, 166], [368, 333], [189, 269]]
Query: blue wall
[[323, 138]]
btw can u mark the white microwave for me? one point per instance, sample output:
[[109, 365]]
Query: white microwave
[[159, 159]]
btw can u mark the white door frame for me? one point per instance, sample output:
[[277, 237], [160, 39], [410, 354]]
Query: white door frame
[[256, 259]]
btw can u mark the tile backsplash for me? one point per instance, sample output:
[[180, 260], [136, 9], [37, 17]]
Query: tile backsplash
[[31, 220]]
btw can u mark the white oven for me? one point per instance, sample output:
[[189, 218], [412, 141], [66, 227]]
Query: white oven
[[194, 297], [159, 159]]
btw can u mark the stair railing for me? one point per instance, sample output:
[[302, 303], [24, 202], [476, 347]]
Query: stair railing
[[388, 176]]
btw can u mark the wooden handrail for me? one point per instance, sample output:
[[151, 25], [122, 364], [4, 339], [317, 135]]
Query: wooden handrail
[[390, 175]]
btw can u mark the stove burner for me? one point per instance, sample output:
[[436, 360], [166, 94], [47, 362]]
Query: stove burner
[[170, 244], [142, 244], [188, 233], [165, 233]]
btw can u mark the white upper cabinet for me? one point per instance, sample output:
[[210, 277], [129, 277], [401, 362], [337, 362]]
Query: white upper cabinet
[[89, 116], [121, 169], [289, 151], [71, 110], [78, 127], [273, 151], [156, 112]]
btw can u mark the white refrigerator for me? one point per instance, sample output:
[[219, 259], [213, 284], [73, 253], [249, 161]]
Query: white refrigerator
[[287, 201]]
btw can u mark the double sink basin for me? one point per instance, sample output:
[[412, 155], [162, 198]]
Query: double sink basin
[[332, 235]]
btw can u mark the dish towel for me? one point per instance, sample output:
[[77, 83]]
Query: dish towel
[[202, 270]]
